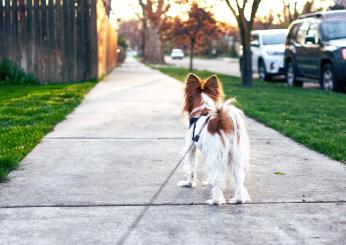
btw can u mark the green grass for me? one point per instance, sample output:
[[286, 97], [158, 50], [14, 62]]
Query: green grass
[[28, 112], [312, 117]]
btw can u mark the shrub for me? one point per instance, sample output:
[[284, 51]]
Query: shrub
[[10, 73]]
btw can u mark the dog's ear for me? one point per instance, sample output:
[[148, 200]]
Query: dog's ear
[[213, 88], [212, 82], [193, 80]]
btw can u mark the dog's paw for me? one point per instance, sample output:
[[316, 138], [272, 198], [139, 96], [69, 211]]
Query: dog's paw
[[184, 183], [219, 201], [237, 200], [205, 182]]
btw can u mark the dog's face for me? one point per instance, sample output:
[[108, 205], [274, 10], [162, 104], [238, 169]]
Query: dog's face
[[194, 88]]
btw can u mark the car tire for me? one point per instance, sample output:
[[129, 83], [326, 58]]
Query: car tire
[[262, 71], [291, 76], [328, 81]]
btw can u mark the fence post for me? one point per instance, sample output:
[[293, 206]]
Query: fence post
[[93, 51], [2, 30]]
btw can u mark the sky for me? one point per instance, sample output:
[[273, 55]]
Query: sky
[[126, 9]]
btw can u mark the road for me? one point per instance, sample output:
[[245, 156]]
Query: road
[[226, 66], [221, 65]]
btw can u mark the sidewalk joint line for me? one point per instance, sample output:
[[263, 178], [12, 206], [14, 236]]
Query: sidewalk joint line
[[165, 204]]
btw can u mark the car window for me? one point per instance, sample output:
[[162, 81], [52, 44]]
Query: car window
[[313, 34], [273, 39], [303, 29], [334, 30]]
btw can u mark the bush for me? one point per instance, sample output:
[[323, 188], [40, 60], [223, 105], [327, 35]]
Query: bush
[[10, 73]]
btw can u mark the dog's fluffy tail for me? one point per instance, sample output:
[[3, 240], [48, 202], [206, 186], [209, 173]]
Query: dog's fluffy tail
[[240, 146], [220, 121], [229, 122]]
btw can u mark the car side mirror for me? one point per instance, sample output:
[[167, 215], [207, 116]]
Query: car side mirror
[[255, 44], [310, 40]]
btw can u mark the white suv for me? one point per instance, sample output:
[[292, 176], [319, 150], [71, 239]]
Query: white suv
[[268, 50]]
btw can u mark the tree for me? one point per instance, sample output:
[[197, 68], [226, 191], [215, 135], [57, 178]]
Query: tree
[[152, 17], [339, 4], [197, 29], [107, 4], [130, 30], [245, 27]]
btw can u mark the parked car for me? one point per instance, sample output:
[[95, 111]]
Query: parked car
[[268, 48], [316, 50], [177, 54]]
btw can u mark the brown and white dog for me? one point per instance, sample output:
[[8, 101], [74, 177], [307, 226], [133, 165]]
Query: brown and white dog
[[223, 139]]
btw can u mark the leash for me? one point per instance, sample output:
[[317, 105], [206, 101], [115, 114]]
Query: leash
[[134, 224], [195, 138]]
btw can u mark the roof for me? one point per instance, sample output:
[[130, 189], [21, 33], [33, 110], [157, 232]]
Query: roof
[[326, 15]]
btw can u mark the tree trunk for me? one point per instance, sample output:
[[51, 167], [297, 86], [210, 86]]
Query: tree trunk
[[144, 31], [153, 52], [246, 69], [192, 50]]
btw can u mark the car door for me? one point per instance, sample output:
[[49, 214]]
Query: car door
[[312, 51], [301, 55], [255, 49]]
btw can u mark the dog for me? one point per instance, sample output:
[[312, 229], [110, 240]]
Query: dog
[[223, 139]]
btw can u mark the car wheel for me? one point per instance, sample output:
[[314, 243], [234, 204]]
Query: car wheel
[[291, 76], [328, 81], [262, 72]]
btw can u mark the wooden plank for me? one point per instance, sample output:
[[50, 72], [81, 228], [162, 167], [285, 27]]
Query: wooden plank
[[67, 37], [30, 37], [44, 41], [37, 38], [8, 37], [59, 44], [15, 44], [52, 76], [87, 58], [93, 51], [72, 34], [22, 41], [80, 48], [2, 30]]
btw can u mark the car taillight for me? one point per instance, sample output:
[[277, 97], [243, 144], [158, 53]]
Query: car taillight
[[343, 53]]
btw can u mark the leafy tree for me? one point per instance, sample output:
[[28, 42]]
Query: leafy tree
[[245, 27], [195, 31], [131, 31], [339, 4]]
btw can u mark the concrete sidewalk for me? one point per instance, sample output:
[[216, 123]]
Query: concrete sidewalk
[[96, 179]]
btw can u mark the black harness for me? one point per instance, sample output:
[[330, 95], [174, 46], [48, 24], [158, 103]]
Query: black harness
[[193, 122]]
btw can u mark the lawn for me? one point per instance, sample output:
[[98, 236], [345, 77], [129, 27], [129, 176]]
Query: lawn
[[312, 117], [28, 112]]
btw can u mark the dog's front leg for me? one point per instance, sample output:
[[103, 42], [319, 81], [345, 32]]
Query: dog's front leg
[[191, 168]]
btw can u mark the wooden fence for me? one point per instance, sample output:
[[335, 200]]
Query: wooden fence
[[58, 40]]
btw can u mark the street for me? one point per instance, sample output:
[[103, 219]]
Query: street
[[228, 66]]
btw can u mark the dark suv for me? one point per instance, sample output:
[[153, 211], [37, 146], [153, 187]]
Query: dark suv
[[316, 50]]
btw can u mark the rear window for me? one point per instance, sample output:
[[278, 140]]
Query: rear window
[[333, 30], [274, 39]]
